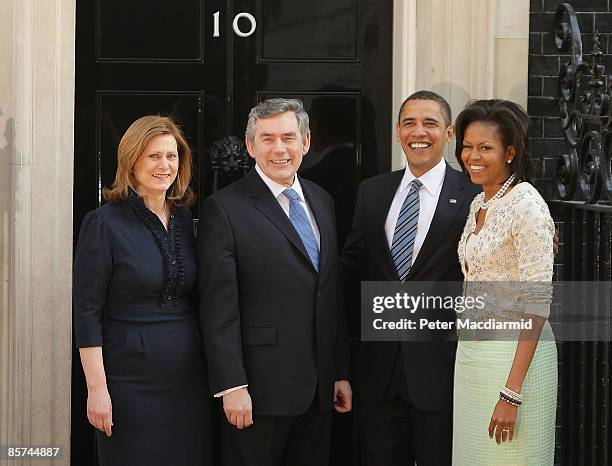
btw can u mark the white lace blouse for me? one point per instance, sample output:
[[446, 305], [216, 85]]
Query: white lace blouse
[[515, 244]]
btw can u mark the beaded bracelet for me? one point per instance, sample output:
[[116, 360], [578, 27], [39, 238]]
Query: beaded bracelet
[[512, 394], [509, 399]]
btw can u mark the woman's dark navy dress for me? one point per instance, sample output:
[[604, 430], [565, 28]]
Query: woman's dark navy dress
[[135, 295]]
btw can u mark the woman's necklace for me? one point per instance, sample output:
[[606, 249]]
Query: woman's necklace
[[165, 212], [498, 194], [161, 215]]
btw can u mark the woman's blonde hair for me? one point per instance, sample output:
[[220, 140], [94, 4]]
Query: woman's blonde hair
[[132, 145]]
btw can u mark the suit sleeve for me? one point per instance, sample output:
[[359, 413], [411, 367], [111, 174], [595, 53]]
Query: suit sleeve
[[352, 267], [93, 267], [343, 358], [353, 256], [343, 351], [219, 304]]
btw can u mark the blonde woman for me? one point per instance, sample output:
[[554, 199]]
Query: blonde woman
[[134, 308]]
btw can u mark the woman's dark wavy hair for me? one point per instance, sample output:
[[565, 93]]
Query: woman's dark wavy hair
[[512, 124]]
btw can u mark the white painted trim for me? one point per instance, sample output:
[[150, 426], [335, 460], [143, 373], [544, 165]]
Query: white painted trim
[[404, 66]]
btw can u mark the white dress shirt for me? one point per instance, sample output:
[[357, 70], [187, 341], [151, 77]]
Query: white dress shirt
[[428, 200], [277, 191]]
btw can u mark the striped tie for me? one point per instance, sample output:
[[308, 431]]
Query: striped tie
[[405, 231]]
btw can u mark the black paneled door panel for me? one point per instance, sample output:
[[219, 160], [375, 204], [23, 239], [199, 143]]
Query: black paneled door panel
[[145, 30], [316, 30], [137, 57]]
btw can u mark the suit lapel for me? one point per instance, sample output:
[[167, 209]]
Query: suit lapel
[[322, 218], [380, 211], [266, 203], [449, 205]]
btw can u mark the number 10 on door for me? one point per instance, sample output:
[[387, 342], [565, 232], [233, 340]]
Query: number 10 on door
[[239, 32]]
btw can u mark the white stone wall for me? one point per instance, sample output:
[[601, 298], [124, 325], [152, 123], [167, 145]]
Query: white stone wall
[[6, 197], [511, 50], [36, 157]]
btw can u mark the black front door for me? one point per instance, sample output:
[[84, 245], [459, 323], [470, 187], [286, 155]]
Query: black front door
[[206, 63]]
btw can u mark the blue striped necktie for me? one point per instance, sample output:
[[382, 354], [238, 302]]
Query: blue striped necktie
[[302, 225], [405, 232]]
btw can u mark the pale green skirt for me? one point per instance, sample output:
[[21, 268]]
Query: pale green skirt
[[481, 369]]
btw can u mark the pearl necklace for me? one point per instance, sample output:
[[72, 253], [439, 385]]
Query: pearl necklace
[[498, 194]]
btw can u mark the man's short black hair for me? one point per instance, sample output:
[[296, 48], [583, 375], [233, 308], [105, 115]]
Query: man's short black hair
[[430, 95]]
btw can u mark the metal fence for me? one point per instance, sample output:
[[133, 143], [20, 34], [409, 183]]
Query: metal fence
[[584, 399], [584, 220]]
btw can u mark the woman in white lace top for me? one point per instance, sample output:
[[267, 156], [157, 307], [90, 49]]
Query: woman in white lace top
[[505, 389]]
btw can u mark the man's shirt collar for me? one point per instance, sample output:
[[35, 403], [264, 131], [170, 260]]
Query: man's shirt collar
[[431, 180], [277, 188]]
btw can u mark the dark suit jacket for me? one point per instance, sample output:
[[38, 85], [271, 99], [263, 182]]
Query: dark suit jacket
[[268, 318], [429, 365]]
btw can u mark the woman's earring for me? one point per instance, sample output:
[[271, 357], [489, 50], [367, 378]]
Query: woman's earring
[[509, 161]]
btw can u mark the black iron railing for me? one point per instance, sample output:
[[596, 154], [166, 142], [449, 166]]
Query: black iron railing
[[585, 172], [584, 221], [584, 400]]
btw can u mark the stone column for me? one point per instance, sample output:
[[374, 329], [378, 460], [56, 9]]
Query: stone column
[[455, 49], [512, 51], [36, 173], [461, 49], [404, 65]]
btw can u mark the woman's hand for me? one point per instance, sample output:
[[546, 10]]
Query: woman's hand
[[503, 422], [100, 410]]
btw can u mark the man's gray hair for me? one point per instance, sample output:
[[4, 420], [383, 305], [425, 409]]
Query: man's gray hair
[[273, 107]]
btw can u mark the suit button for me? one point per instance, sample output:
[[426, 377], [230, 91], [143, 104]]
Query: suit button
[[318, 294]]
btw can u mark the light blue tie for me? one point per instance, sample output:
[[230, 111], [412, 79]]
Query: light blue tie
[[300, 221], [405, 232]]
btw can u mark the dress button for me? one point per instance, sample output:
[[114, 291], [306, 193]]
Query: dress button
[[173, 262]]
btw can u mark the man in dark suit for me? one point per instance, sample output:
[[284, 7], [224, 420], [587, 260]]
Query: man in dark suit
[[274, 341], [404, 390]]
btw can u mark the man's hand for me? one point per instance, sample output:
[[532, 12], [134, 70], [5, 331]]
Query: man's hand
[[343, 396], [555, 242], [238, 408]]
